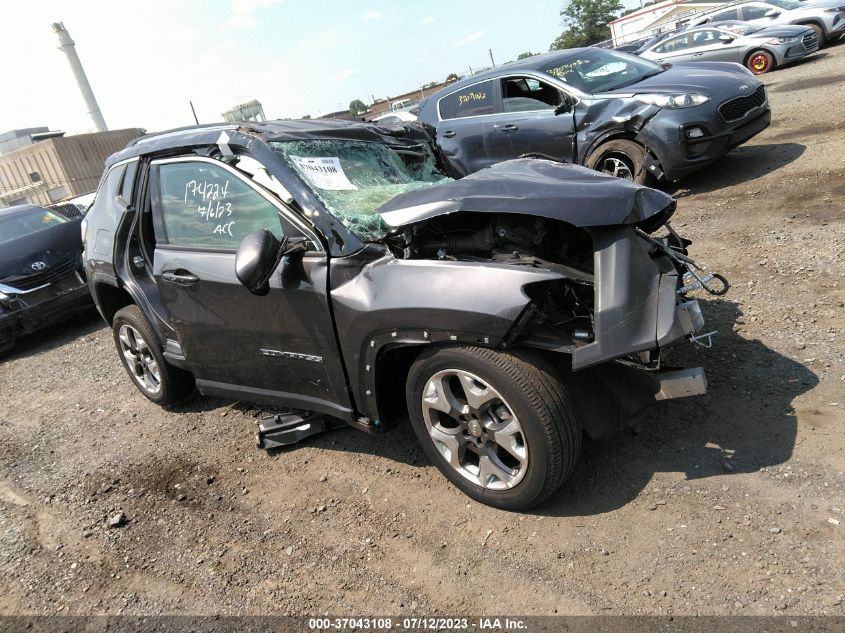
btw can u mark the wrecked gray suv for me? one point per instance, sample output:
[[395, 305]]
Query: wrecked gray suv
[[331, 268]]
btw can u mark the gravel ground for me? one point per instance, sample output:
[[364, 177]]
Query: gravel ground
[[726, 504]]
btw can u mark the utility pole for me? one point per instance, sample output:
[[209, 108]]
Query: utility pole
[[492, 61], [196, 120]]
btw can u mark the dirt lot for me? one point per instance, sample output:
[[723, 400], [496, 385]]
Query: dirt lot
[[726, 504]]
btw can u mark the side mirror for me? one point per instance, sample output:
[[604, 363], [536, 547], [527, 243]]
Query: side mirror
[[772, 13], [257, 257], [725, 38], [565, 104]]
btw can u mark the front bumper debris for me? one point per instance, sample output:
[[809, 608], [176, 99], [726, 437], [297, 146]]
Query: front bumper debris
[[20, 314], [681, 383]]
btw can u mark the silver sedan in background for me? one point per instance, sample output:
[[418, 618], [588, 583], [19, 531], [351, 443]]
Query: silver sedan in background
[[759, 49]]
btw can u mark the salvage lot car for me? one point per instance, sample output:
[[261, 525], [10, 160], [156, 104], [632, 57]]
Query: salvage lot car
[[41, 275], [825, 17], [331, 267], [759, 49], [607, 110]]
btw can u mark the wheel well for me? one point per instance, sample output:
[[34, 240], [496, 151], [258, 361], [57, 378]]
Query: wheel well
[[110, 299], [392, 367], [615, 136]]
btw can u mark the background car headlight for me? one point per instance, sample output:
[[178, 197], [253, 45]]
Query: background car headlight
[[672, 101], [782, 40]]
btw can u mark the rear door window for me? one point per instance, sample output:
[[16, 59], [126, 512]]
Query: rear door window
[[474, 100], [207, 206]]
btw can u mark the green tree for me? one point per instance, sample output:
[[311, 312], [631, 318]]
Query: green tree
[[526, 54], [451, 77], [586, 23], [306, 116], [356, 107]]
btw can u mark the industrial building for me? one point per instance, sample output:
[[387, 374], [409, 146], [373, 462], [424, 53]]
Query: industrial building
[[50, 167], [655, 17]]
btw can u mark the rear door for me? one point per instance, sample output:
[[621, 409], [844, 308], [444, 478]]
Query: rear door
[[466, 125], [279, 347], [527, 121]]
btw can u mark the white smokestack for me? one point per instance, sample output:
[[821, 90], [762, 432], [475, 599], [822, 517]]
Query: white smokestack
[[67, 46]]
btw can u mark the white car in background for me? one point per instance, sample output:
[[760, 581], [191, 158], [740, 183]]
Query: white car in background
[[403, 116]]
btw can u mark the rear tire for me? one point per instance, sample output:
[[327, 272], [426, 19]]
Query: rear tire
[[621, 158], [760, 62], [510, 438], [140, 352]]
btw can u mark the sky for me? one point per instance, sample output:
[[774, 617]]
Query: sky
[[146, 60]]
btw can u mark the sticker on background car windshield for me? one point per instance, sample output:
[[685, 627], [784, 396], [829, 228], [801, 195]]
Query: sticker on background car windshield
[[324, 173]]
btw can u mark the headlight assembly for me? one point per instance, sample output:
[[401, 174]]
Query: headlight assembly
[[672, 101], [782, 40]]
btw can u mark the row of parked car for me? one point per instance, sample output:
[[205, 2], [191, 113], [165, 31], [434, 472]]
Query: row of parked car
[[762, 35], [475, 271]]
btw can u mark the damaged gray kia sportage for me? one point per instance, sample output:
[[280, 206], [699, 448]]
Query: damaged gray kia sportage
[[332, 269]]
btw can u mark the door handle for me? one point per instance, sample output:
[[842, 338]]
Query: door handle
[[183, 278], [510, 127], [449, 134], [697, 54]]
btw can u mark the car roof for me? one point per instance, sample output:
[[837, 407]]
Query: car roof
[[535, 62], [282, 130]]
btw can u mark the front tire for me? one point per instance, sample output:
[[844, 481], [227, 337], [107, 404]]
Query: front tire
[[140, 352], [621, 158], [499, 426], [760, 62]]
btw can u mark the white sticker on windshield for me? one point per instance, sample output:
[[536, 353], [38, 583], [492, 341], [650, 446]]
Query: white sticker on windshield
[[324, 173]]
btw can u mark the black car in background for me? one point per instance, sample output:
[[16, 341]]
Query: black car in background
[[332, 267], [41, 274], [610, 111]]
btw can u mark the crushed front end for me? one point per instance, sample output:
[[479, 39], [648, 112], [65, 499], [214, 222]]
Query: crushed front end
[[621, 291]]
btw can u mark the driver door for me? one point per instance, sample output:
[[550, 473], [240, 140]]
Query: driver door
[[278, 348], [674, 50], [527, 122]]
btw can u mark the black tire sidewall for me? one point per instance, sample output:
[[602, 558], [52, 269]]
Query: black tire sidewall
[[632, 151], [526, 492], [171, 387]]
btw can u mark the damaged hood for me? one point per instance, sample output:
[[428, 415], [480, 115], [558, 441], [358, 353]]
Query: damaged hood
[[714, 79], [529, 186]]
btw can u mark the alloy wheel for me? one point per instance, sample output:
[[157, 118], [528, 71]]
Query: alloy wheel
[[139, 359], [475, 429], [759, 63], [616, 166]]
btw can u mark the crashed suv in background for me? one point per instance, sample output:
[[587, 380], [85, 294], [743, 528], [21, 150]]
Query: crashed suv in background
[[607, 110], [331, 267]]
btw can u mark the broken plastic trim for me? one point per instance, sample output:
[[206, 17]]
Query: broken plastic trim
[[693, 269]]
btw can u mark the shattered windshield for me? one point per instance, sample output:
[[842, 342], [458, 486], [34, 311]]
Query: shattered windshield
[[354, 178], [598, 70]]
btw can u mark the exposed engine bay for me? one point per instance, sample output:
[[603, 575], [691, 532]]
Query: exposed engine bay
[[562, 311]]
